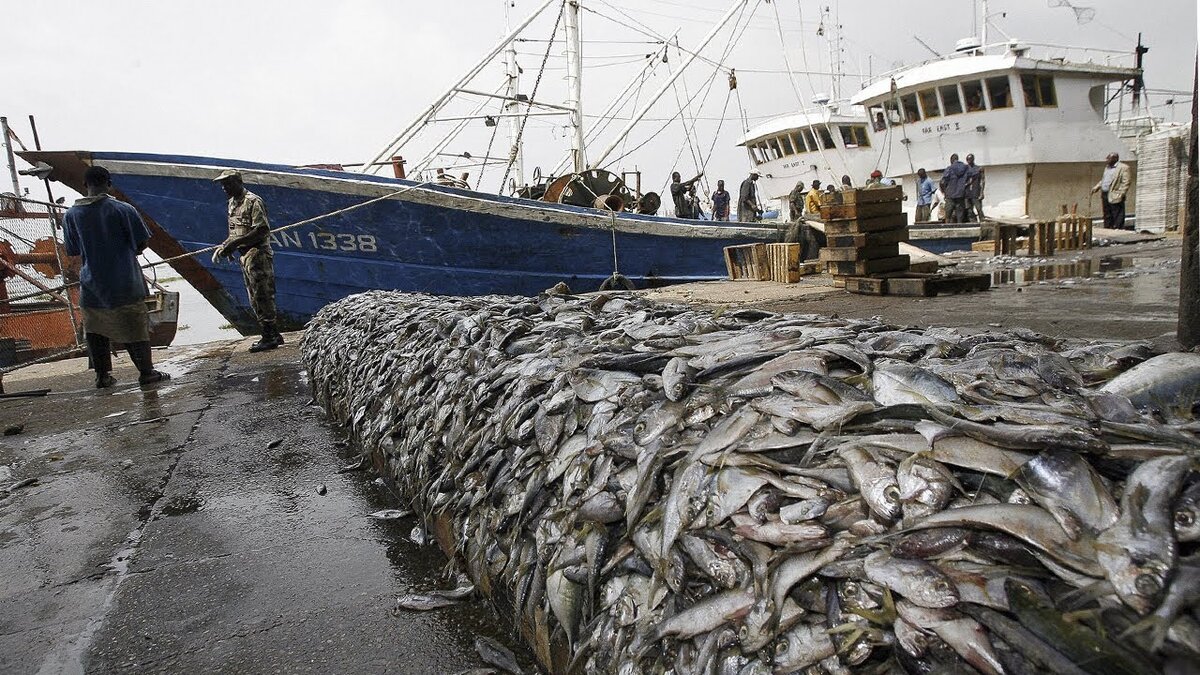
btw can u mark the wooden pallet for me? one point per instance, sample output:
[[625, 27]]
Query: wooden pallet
[[848, 226], [747, 262], [854, 253], [783, 261], [859, 268], [863, 196], [908, 284], [868, 239], [856, 211]]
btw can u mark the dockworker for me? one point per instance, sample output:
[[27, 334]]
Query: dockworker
[[1113, 187], [926, 189], [796, 201], [108, 234], [250, 236], [679, 195], [974, 204], [846, 183], [749, 207], [812, 200], [876, 179], [720, 202], [954, 187], [694, 203]]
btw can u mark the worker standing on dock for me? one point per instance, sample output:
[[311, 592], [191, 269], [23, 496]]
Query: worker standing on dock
[[926, 189], [796, 202], [250, 235], [680, 195], [108, 235], [749, 208], [954, 187], [720, 202], [812, 201], [974, 205], [1113, 187]]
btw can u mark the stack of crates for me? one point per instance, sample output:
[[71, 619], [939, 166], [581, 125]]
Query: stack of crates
[[863, 229]]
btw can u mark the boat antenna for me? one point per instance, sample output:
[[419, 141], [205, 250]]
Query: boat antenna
[[516, 152], [575, 81], [926, 46]]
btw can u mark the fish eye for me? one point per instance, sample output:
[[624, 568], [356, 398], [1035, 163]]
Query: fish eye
[[1147, 585], [744, 633], [781, 647], [1185, 518], [892, 493]]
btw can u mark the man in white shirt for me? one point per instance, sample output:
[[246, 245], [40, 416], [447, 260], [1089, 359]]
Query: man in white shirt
[[1113, 187]]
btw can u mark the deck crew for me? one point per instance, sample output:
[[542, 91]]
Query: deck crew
[[720, 202], [926, 189], [250, 236], [812, 201], [796, 201], [1113, 187], [954, 187], [749, 207], [108, 235], [680, 195], [847, 184], [974, 203]]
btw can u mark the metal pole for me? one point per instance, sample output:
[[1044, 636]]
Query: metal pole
[[55, 213], [515, 152], [12, 159], [1188, 333], [621, 98], [404, 136], [575, 82], [738, 4]]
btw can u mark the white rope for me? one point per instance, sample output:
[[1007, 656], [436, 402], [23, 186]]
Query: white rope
[[816, 137]]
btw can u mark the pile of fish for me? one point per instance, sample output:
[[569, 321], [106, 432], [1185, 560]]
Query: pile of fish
[[650, 488]]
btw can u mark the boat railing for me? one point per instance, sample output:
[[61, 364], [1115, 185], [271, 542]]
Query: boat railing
[[1047, 51]]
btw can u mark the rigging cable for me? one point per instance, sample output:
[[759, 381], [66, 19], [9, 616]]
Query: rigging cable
[[533, 96], [817, 141]]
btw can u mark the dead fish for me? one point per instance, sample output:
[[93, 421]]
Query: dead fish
[[422, 602], [964, 635], [1168, 382], [707, 615], [1069, 488], [390, 514], [896, 382], [920, 582], [495, 654], [874, 480]]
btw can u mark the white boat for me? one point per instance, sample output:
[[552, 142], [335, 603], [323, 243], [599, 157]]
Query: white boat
[[820, 144]]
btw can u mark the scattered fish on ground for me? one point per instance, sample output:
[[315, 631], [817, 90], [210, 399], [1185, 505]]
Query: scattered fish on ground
[[658, 488]]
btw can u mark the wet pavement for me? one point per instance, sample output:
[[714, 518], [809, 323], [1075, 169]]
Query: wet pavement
[[180, 529]]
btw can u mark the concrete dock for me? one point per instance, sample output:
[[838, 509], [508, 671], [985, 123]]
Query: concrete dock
[[166, 534], [183, 528]]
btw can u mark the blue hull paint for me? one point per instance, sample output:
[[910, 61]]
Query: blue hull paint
[[407, 245]]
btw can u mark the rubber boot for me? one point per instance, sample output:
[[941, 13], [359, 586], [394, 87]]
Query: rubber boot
[[100, 356], [267, 341], [276, 336]]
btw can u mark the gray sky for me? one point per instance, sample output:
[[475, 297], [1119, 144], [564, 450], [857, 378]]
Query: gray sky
[[300, 81]]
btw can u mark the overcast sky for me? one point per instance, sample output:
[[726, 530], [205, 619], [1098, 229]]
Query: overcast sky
[[301, 81]]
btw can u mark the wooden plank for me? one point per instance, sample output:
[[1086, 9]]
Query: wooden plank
[[784, 262], [924, 267], [855, 253], [747, 262], [868, 238], [929, 285], [866, 285], [870, 210], [849, 226], [864, 267]]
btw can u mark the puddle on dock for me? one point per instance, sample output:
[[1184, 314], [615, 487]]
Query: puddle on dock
[[1088, 268]]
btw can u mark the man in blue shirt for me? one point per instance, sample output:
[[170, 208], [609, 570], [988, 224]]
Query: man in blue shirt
[[925, 191], [974, 204], [108, 235], [954, 186]]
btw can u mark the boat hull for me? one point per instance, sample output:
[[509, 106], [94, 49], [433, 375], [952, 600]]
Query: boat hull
[[419, 238]]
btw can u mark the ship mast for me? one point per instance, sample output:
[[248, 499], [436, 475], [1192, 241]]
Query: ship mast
[[516, 154], [575, 82]]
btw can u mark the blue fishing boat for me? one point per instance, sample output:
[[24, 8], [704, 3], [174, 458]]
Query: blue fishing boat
[[428, 238]]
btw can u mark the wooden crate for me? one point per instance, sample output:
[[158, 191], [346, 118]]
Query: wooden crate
[[924, 267], [867, 285], [784, 262], [869, 238], [861, 268], [849, 226], [929, 285], [747, 262], [853, 211], [893, 193], [853, 253]]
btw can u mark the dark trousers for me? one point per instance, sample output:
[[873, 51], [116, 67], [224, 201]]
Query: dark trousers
[[100, 354], [974, 210], [1114, 214], [956, 210]]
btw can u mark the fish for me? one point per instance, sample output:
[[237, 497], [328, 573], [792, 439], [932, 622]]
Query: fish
[[1168, 382], [962, 633], [495, 654], [1072, 491], [874, 480], [896, 382], [921, 583]]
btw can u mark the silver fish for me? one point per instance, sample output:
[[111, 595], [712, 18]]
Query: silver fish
[[922, 583]]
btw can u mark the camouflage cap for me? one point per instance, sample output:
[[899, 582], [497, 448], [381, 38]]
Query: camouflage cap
[[228, 173]]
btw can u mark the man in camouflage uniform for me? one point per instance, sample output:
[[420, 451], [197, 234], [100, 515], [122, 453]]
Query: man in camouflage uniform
[[249, 235]]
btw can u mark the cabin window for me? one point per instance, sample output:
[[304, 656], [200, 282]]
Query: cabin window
[[951, 103], [893, 113], [826, 138], [773, 146], [808, 139], [908, 103], [753, 154], [877, 118], [929, 103], [785, 142], [973, 95], [798, 143], [998, 92], [854, 136], [1039, 90]]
